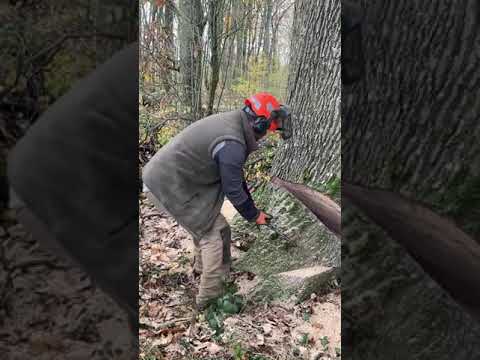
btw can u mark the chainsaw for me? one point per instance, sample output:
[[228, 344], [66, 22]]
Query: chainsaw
[[287, 242]]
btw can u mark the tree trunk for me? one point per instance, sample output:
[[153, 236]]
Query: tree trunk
[[190, 30], [170, 50], [239, 21], [215, 26], [245, 30], [410, 136], [267, 37], [312, 155], [253, 35], [274, 49]]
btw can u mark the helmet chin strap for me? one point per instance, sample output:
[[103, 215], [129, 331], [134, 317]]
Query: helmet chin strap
[[249, 112]]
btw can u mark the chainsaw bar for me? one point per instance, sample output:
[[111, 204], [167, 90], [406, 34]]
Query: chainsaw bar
[[288, 241]]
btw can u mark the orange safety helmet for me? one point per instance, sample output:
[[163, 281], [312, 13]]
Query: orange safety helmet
[[262, 104]]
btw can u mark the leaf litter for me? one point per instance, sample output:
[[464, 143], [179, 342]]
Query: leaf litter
[[50, 309], [259, 332]]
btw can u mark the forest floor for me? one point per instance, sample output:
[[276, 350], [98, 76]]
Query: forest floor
[[280, 330], [50, 309]]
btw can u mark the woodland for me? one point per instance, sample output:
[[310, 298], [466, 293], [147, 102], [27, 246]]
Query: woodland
[[203, 57]]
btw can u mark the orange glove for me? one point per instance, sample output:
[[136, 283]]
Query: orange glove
[[263, 219]]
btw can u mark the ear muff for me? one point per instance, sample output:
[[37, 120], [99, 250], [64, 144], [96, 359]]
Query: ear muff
[[261, 125]]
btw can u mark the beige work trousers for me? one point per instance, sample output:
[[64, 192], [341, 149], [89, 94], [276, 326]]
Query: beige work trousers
[[213, 260], [212, 257]]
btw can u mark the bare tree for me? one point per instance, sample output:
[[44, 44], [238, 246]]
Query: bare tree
[[216, 9], [191, 26]]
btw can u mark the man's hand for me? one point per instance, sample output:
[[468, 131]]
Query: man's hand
[[263, 218]]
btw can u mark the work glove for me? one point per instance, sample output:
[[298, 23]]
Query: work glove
[[263, 219]]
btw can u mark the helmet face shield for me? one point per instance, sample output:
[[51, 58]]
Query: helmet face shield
[[283, 119]]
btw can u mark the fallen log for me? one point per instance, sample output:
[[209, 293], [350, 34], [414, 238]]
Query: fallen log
[[325, 209], [443, 250]]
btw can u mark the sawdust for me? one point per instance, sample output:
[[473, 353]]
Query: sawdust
[[323, 326]]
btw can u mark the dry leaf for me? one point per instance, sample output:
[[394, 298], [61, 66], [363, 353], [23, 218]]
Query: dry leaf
[[260, 340], [163, 340], [267, 329], [159, 258], [213, 348], [157, 248], [153, 309], [317, 325], [174, 330]]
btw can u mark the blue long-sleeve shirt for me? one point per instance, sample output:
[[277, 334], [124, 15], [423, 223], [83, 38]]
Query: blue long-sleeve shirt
[[231, 156]]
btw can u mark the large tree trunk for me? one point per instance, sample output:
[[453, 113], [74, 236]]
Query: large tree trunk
[[410, 130], [191, 24], [312, 155]]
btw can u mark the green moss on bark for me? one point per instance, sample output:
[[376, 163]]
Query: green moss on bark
[[269, 253]]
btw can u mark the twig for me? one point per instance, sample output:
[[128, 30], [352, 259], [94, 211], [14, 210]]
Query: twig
[[147, 216], [166, 324], [193, 322], [250, 324], [179, 304]]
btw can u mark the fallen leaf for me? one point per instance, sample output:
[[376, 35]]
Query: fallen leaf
[[267, 329], [317, 325], [163, 340], [213, 348], [156, 248], [260, 340], [153, 309], [174, 330], [159, 258]]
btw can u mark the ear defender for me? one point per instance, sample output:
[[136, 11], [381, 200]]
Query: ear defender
[[261, 125]]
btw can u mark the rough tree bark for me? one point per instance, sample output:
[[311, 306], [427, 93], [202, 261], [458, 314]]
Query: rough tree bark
[[191, 24], [267, 42], [169, 15], [238, 18], [312, 155], [215, 27], [424, 151]]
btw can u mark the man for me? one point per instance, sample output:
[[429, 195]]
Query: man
[[190, 176]]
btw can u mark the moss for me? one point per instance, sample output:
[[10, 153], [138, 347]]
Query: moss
[[319, 285], [331, 188], [302, 242], [307, 176], [308, 242], [273, 288], [268, 290], [460, 201]]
